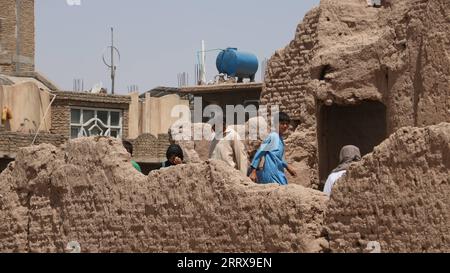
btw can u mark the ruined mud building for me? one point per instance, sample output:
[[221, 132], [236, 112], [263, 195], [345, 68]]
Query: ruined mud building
[[355, 74], [352, 74], [388, 65]]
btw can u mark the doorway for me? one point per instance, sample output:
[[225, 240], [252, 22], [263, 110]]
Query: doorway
[[362, 125]]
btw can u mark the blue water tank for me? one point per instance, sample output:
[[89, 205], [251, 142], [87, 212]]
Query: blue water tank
[[237, 64]]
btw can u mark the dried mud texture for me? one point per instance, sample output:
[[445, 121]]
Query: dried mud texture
[[345, 53], [397, 196], [301, 154], [87, 191]]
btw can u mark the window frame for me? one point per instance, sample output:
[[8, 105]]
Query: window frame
[[83, 127]]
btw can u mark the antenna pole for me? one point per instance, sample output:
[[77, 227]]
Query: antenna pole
[[113, 68], [111, 64], [203, 64]]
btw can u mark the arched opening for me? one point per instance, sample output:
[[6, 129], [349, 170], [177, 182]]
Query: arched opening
[[362, 125]]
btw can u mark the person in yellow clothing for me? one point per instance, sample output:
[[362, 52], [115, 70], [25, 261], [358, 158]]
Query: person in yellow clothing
[[6, 114]]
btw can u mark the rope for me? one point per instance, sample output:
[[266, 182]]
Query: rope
[[45, 115]]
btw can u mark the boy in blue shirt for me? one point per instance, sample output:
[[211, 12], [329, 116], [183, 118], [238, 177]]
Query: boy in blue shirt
[[272, 149]]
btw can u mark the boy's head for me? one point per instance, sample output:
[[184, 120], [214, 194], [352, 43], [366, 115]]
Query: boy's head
[[220, 120], [281, 122], [173, 152], [128, 146]]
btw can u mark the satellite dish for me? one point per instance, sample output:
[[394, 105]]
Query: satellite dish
[[97, 88]]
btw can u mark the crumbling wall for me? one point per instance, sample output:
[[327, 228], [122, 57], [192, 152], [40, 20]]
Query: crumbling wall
[[345, 53], [286, 80], [397, 196], [88, 191], [397, 55]]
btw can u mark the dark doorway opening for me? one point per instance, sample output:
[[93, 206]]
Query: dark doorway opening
[[4, 163], [362, 125]]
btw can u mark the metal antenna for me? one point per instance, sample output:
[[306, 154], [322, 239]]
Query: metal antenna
[[183, 79], [133, 88], [78, 85], [203, 64], [111, 65]]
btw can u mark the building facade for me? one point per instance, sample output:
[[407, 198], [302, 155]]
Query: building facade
[[77, 114]]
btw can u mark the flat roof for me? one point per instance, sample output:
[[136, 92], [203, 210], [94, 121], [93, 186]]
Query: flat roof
[[92, 97], [161, 91], [35, 77], [218, 88]]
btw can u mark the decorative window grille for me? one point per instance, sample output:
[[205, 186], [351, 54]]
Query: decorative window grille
[[85, 122]]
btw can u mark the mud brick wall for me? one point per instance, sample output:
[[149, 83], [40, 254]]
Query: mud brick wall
[[89, 192], [65, 100], [10, 143], [287, 73], [287, 76], [397, 196], [60, 119], [345, 54], [148, 148]]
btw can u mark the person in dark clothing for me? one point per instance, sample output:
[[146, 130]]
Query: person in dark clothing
[[174, 156]]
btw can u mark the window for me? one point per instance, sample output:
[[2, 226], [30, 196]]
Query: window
[[85, 122]]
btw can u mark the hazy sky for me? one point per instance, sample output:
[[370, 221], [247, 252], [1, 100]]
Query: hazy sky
[[157, 39]]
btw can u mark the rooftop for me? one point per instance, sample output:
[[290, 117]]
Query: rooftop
[[91, 97], [161, 91], [40, 80], [218, 88]]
